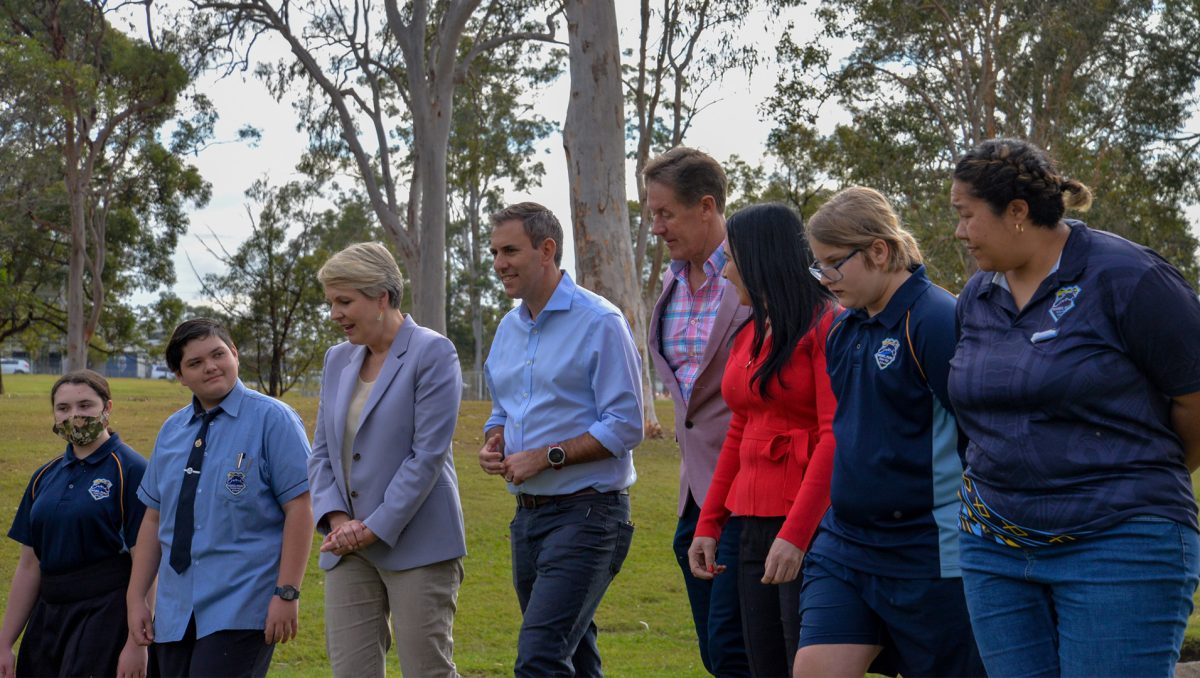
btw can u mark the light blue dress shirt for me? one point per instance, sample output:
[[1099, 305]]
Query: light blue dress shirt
[[239, 514], [574, 369]]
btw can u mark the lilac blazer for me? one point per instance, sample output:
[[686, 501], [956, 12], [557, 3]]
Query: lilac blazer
[[700, 427], [402, 480]]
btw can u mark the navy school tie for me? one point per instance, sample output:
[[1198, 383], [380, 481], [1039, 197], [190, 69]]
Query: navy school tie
[[185, 512]]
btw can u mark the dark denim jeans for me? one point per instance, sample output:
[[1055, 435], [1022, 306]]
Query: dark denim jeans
[[770, 612], [715, 608], [564, 555], [1111, 604]]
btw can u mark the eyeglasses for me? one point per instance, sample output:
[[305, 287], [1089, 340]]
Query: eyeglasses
[[831, 273]]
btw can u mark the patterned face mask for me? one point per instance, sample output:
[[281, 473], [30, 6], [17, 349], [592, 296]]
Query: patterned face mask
[[81, 430]]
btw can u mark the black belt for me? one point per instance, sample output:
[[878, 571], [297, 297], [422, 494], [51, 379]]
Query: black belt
[[532, 501], [89, 581]]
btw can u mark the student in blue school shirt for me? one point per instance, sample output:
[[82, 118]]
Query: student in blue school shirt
[[1077, 379], [77, 523], [229, 521], [882, 583]]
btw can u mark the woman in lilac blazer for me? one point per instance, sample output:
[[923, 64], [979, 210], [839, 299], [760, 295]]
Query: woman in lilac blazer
[[385, 494]]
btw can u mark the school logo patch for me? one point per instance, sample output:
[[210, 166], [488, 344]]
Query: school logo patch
[[1064, 300], [235, 482], [886, 355], [100, 489]]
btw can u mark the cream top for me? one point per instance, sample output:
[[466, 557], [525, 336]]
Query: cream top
[[358, 400]]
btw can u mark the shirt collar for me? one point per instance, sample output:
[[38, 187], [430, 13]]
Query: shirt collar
[[564, 292], [231, 404], [95, 457], [712, 265], [902, 299]]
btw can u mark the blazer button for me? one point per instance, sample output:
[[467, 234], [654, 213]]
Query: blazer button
[[354, 494], [688, 424], [356, 456]]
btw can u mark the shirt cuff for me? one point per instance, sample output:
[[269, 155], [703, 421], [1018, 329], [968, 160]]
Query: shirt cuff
[[608, 440]]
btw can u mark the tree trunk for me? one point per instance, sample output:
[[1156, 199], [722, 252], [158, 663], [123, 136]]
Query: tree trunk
[[77, 260], [593, 138]]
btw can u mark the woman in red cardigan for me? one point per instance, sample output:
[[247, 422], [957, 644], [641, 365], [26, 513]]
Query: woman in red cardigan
[[774, 469]]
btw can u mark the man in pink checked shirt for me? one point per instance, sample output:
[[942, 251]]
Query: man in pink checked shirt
[[690, 331]]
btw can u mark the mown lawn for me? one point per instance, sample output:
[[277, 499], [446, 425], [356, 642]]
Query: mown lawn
[[645, 625]]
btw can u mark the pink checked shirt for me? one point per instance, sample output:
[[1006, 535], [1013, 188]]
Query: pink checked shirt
[[688, 319]]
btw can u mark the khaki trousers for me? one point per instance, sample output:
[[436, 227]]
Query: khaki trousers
[[358, 597]]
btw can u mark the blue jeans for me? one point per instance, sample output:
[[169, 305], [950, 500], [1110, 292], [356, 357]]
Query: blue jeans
[[564, 555], [1111, 604], [715, 608]]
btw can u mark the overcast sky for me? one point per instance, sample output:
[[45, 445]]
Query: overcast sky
[[731, 124]]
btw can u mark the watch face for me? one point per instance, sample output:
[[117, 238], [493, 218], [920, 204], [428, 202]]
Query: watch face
[[556, 455], [287, 592]]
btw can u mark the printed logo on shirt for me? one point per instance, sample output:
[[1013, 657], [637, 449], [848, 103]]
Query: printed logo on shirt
[[100, 489], [235, 482], [886, 355], [1064, 300]]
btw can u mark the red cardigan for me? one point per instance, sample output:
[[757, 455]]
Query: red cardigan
[[777, 459]]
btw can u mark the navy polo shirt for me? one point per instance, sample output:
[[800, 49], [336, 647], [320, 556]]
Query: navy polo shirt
[[1067, 401], [77, 512], [897, 467]]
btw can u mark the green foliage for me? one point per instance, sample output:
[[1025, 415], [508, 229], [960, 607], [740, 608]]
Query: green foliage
[[84, 104], [1106, 87]]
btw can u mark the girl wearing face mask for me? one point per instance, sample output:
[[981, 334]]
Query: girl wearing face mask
[[77, 524]]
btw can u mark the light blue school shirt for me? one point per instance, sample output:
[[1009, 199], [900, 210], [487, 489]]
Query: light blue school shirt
[[572, 370], [239, 514]]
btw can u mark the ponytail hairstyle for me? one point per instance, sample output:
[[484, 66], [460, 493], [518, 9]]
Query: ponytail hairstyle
[[768, 247], [1000, 171]]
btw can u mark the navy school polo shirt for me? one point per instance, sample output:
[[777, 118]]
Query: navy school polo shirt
[[77, 512], [898, 466], [1067, 401]]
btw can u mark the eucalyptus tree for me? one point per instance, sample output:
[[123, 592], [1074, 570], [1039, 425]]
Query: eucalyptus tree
[[1107, 87], [91, 100], [378, 73]]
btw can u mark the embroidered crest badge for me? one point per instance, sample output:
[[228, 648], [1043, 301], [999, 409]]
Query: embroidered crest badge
[[886, 355], [1064, 300], [100, 489], [235, 482]]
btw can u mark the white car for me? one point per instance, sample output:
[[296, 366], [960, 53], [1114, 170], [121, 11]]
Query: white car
[[14, 366], [161, 372]]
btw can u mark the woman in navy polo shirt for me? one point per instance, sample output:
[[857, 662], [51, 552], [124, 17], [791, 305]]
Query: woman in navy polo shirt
[[76, 524], [1077, 379]]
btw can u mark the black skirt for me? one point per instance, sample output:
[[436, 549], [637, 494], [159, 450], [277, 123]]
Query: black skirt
[[78, 626]]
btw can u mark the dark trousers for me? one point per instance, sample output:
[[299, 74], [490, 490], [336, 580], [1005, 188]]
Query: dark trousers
[[239, 653], [564, 555], [770, 612], [78, 625], [715, 607]]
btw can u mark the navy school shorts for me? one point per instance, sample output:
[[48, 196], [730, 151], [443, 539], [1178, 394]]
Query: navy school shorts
[[922, 624]]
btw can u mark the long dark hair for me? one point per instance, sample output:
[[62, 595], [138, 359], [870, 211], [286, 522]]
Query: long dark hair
[[768, 247]]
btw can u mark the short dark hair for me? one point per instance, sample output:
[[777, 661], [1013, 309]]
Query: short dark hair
[[539, 223], [93, 380], [692, 174], [189, 331], [772, 257], [1000, 171]]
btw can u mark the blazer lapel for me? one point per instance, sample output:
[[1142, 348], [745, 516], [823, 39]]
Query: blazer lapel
[[655, 347], [347, 380], [391, 365]]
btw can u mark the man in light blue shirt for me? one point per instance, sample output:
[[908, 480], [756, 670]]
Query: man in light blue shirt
[[228, 525], [566, 414]]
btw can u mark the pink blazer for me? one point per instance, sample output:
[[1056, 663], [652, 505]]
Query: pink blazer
[[700, 427]]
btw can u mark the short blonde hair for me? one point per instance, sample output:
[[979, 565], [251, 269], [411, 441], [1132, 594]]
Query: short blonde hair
[[858, 216], [367, 267]]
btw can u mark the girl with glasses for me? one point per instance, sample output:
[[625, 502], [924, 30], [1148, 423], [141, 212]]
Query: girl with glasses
[[881, 580]]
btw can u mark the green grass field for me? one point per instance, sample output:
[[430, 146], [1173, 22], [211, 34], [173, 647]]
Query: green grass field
[[645, 625]]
